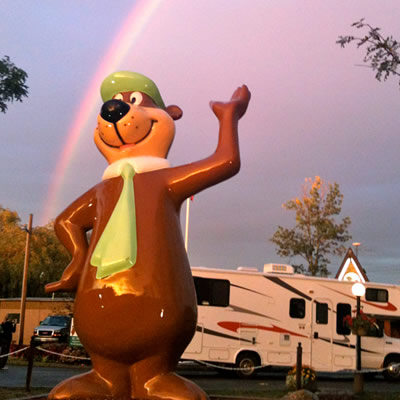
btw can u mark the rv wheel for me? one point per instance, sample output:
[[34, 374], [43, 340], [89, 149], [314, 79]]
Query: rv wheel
[[247, 363], [392, 371]]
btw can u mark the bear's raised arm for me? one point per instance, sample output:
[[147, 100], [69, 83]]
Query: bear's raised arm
[[187, 180]]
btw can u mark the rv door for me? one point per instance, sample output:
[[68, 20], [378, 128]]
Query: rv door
[[196, 345], [322, 328]]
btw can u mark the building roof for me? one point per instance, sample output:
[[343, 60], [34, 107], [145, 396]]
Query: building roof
[[44, 299]]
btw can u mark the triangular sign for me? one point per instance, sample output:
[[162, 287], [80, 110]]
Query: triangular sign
[[351, 269]]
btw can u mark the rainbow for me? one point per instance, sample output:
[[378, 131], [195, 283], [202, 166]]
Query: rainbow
[[133, 26]]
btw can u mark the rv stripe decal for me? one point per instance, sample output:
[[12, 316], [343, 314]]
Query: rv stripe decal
[[250, 290], [285, 285], [246, 311], [219, 334], [351, 346], [389, 307], [235, 326]]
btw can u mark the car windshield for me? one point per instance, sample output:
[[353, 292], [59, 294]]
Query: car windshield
[[55, 321]]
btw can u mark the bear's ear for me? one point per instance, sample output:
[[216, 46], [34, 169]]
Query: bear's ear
[[174, 111]]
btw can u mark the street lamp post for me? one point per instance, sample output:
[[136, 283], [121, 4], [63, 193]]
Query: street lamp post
[[358, 290]]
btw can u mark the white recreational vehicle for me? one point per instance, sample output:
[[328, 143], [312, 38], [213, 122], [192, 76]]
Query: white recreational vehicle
[[249, 319]]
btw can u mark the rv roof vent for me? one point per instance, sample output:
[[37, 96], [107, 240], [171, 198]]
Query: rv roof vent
[[252, 269], [279, 268]]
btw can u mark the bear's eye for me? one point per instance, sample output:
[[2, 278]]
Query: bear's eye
[[136, 98], [118, 96]]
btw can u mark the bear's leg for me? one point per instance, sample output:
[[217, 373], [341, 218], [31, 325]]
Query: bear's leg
[[153, 378], [172, 386], [107, 380]]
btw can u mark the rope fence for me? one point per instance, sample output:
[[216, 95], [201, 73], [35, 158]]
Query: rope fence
[[45, 351], [345, 371], [61, 354], [14, 352], [227, 368], [207, 364]]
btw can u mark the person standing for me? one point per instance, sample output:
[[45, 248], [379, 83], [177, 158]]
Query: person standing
[[7, 328]]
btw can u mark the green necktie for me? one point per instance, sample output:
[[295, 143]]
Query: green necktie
[[116, 249]]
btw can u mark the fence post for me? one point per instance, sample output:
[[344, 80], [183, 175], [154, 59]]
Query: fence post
[[31, 356], [299, 364]]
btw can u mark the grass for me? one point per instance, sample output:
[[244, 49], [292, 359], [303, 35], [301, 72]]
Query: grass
[[278, 394], [19, 393], [379, 396], [17, 361], [248, 394]]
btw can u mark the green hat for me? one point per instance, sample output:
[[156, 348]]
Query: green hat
[[127, 81]]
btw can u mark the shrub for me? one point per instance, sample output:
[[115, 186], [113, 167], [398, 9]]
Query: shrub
[[308, 379]]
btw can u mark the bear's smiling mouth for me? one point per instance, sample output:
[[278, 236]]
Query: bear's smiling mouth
[[124, 144]]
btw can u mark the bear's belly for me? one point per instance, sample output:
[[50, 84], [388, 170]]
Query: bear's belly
[[130, 326]]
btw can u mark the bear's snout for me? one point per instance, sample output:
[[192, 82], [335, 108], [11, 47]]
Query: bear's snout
[[113, 110]]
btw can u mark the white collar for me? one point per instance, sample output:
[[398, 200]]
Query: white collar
[[140, 164]]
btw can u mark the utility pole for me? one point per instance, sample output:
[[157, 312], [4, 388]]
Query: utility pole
[[25, 281]]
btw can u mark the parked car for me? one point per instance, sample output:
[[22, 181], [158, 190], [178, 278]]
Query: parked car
[[54, 328]]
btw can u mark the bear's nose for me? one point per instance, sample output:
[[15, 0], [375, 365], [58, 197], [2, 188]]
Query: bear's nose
[[114, 110]]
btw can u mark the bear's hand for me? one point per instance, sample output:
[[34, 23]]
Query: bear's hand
[[69, 279], [237, 104]]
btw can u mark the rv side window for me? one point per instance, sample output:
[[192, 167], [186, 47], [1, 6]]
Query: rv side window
[[297, 308], [342, 310], [378, 295], [212, 292], [321, 315], [393, 328]]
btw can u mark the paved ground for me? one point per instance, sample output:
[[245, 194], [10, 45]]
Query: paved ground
[[15, 376]]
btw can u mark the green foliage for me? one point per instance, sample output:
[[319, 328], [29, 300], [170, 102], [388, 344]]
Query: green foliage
[[382, 54], [73, 355], [316, 233], [12, 83], [48, 258]]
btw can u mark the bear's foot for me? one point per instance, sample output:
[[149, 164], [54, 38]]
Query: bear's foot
[[172, 386], [85, 386]]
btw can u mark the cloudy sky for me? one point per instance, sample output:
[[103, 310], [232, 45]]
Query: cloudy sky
[[314, 111]]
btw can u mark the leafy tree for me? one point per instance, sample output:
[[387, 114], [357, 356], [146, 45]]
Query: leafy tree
[[316, 233], [11, 253], [48, 258], [382, 54], [12, 83]]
